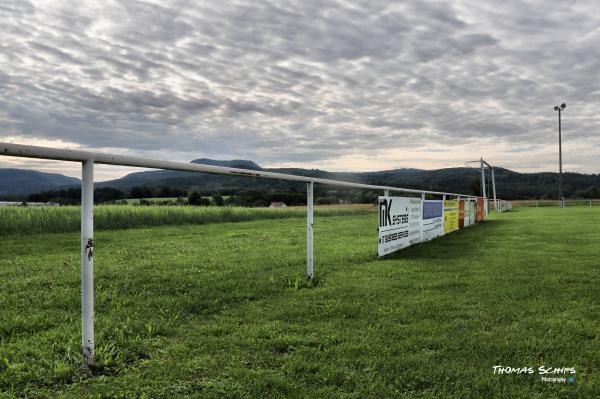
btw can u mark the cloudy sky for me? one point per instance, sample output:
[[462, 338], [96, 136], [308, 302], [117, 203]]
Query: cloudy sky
[[338, 85]]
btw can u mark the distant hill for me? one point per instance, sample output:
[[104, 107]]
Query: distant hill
[[15, 182], [235, 163], [509, 184]]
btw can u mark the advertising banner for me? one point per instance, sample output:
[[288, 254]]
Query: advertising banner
[[479, 212], [450, 216], [467, 213], [432, 223], [399, 223], [473, 212], [461, 214]]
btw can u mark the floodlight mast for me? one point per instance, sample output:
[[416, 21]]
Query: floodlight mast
[[561, 199], [482, 178]]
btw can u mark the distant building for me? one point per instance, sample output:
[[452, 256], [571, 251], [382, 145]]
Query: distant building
[[278, 205]]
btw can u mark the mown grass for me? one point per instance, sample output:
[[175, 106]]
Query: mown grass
[[222, 310], [64, 219]]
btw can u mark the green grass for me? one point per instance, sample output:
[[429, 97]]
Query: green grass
[[223, 310], [64, 219]]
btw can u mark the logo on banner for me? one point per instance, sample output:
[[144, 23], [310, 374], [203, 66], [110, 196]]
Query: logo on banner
[[385, 218]]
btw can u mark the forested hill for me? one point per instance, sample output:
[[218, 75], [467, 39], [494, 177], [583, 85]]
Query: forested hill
[[20, 182], [509, 184]]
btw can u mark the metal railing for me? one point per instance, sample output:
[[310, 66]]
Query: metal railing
[[88, 159], [501, 205], [556, 203]]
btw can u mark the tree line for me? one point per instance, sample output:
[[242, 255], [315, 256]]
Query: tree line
[[160, 196], [72, 196], [250, 197]]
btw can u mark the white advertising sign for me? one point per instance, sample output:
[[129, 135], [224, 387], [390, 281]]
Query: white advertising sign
[[432, 223], [467, 219], [472, 212], [399, 223]]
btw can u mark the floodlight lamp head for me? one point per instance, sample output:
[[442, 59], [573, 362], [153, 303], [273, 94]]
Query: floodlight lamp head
[[563, 106], [556, 108]]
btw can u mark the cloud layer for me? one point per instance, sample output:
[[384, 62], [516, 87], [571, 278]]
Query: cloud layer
[[341, 85]]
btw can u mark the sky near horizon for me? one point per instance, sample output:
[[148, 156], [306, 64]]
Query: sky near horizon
[[335, 85]]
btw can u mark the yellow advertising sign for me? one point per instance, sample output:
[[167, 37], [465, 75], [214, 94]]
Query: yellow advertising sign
[[450, 216]]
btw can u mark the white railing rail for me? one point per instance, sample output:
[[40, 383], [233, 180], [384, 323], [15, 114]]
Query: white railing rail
[[88, 159]]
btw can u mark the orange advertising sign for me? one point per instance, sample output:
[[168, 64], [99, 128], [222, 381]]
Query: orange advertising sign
[[479, 212]]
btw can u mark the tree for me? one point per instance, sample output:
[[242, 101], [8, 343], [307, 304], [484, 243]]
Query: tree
[[69, 196], [475, 186], [140, 192], [164, 192], [107, 194], [218, 200], [176, 192], [194, 198], [591, 193]]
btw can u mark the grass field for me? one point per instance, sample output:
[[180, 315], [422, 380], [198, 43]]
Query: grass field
[[223, 310], [64, 219]]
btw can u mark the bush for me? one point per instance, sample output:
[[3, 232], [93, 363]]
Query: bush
[[194, 199], [218, 200]]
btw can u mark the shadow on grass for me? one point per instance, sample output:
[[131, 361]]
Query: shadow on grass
[[455, 245]]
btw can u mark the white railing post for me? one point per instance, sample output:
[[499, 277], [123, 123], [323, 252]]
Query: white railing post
[[443, 207], [494, 190], [87, 262], [309, 229], [386, 193]]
